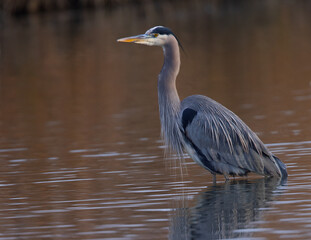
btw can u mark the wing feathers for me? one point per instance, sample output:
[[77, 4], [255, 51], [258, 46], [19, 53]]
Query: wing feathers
[[224, 139]]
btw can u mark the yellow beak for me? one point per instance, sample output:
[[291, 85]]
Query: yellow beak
[[143, 38]]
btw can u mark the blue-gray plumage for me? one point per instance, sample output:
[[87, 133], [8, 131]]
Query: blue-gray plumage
[[213, 136]]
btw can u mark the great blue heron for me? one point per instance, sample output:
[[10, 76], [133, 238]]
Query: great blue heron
[[213, 136]]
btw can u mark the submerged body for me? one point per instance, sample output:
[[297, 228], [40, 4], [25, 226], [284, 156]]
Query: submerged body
[[213, 136]]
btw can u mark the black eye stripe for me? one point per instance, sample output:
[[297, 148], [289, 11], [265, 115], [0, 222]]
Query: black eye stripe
[[162, 30]]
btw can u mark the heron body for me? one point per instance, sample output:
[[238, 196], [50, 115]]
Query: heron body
[[213, 136]]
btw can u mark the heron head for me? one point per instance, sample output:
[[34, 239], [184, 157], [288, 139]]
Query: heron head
[[156, 36]]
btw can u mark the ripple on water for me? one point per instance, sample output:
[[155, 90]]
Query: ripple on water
[[108, 154], [13, 150]]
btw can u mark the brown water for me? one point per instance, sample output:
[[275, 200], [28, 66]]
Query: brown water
[[80, 152]]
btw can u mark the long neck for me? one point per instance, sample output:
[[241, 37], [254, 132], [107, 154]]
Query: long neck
[[169, 103]]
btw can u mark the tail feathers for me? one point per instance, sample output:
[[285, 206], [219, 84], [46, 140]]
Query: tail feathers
[[282, 167], [274, 168]]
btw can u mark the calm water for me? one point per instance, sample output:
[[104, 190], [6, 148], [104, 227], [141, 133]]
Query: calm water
[[80, 152]]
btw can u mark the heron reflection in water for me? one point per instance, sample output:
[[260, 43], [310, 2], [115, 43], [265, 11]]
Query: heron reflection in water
[[224, 211], [213, 136]]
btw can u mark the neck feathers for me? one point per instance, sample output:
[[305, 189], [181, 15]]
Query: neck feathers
[[169, 102]]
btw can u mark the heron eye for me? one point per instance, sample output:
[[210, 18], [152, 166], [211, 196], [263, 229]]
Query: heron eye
[[155, 34]]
